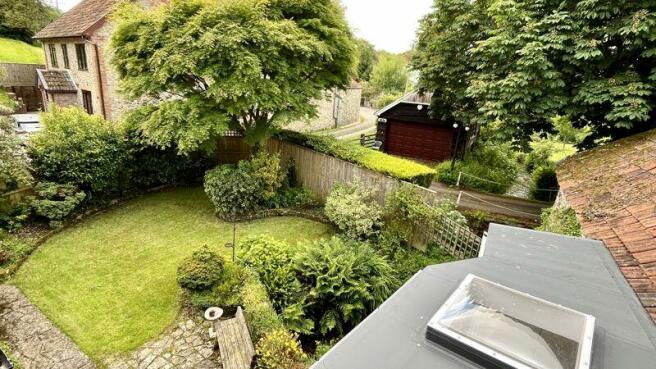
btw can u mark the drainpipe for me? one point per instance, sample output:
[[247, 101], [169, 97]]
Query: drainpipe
[[99, 76]]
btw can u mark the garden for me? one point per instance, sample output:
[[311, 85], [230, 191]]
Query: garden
[[116, 235]]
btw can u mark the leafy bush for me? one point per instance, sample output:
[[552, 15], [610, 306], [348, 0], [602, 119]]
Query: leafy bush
[[226, 292], [344, 281], [56, 201], [246, 187], [405, 209], [279, 349], [396, 167], [496, 165], [537, 157], [14, 169], [203, 270], [12, 252], [386, 99], [354, 212], [260, 314], [77, 148], [293, 197], [561, 220], [272, 260], [543, 179]]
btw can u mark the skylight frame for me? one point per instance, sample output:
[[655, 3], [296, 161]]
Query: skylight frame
[[584, 354]]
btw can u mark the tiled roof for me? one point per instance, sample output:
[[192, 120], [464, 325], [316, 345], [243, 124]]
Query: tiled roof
[[56, 80], [77, 21], [613, 191]]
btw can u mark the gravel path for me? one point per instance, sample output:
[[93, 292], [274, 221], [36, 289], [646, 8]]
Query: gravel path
[[36, 342]]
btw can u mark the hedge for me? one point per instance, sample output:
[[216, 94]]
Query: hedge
[[396, 167]]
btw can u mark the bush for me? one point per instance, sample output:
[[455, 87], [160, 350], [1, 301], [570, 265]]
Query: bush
[[272, 260], [14, 169], [56, 201], [560, 220], [495, 165], [203, 270], [344, 281], [246, 187], [225, 293], [260, 314], [77, 148], [544, 183], [279, 350], [537, 157], [293, 197], [351, 208], [12, 252], [396, 167], [386, 99]]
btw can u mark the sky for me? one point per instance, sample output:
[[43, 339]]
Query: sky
[[388, 24]]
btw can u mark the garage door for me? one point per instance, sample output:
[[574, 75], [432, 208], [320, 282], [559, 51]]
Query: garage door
[[421, 141]]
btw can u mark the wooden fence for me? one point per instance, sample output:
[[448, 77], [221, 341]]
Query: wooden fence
[[319, 173]]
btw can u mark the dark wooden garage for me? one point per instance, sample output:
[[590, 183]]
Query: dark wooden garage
[[406, 128]]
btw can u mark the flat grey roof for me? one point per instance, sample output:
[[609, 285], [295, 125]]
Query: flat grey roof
[[574, 272]]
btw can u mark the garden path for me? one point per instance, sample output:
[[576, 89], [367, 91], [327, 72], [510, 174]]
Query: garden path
[[186, 345], [36, 342]]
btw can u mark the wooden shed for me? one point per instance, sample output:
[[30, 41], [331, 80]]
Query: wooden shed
[[406, 128]]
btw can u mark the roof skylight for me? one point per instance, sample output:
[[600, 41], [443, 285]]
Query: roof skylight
[[503, 328]]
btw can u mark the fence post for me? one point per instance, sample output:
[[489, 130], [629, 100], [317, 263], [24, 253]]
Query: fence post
[[459, 197], [459, 176], [362, 139]]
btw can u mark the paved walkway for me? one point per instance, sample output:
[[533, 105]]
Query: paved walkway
[[351, 131], [186, 345], [36, 342]]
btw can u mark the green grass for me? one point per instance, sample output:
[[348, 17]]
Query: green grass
[[110, 282], [14, 51]]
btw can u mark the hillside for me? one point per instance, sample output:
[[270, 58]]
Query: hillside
[[14, 51]]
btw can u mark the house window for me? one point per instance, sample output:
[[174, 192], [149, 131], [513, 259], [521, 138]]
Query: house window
[[53, 56], [86, 100], [81, 57], [64, 48]]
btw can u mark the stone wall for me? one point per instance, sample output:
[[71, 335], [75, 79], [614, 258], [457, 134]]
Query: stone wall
[[336, 110]]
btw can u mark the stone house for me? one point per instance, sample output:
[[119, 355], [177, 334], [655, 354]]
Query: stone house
[[338, 108], [77, 69]]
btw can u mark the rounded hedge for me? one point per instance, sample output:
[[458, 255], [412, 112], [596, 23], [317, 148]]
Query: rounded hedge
[[202, 271]]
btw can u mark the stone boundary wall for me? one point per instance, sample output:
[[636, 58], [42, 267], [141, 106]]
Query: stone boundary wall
[[20, 75], [346, 109]]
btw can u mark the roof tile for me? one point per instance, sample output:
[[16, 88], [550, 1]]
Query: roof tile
[[78, 20]]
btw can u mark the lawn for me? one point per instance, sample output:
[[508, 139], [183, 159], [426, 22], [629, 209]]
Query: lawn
[[110, 282], [14, 51]]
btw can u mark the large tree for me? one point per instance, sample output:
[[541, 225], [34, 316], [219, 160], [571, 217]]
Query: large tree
[[521, 62], [366, 59], [249, 65], [21, 19]]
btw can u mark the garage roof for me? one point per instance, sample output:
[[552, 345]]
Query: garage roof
[[574, 272], [414, 97]]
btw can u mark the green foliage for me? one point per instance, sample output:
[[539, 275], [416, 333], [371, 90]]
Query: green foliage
[[201, 271], [561, 221], [293, 197], [22, 19], [544, 178], [272, 260], [12, 250], [386, 99], [344, 282], [246, 187], [495, 164], [77, 148], [522, 62], [56, 201], [353, 210], [14, 168], [260, 314], [279, 349], [390, 75], [7, 350], [249, 65], [396, 167], [366, 59], [226, 292]]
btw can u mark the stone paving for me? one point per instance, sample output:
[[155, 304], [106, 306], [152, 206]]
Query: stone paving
[[184, 346], [36, 342]]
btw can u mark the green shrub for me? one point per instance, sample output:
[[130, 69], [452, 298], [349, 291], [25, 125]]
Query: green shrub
[[279, 350], [386, 99], [226, 292], [203, 270], [396, 167], [495, 167], [12, 252], [544, 183], [14, 168], [537, 157], [13, 215], [246, 187], [344, 281], [260, 314], [77, 148], [56, 201], [560, 220], [293, 197], [354, 212], [272, 260]]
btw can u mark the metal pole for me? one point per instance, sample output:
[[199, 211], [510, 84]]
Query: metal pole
[[234, 239]]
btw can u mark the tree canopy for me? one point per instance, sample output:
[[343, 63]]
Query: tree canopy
[[249, 65], [366, 59], [522, 62], [22, 19]]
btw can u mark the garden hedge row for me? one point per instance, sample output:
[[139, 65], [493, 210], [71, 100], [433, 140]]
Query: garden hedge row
[[396, 167]]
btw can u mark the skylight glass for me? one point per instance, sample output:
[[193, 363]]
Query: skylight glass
[[508, 328]]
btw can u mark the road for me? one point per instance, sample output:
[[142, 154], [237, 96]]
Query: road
[[366, 124]]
